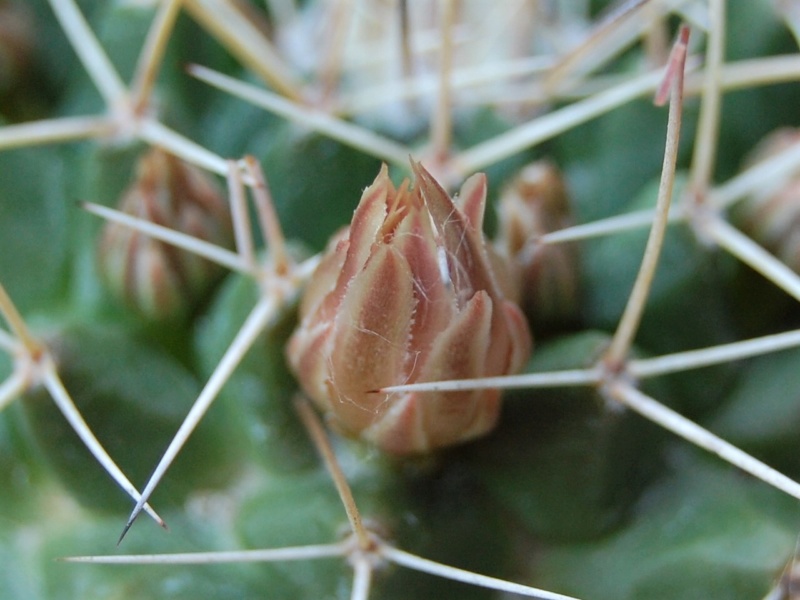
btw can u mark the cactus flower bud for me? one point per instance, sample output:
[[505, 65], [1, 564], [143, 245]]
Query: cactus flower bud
[[534, 204], [771, 216], [24, 87], [409, 294], [159, 280], [17, 42]]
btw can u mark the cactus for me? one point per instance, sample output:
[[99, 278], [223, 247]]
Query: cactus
[[188, 409]]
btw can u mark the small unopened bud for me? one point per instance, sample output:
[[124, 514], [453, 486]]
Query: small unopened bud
[[533, 204], [157, 279], [771, 216], [17, 38], [408, 294], [25, 87]]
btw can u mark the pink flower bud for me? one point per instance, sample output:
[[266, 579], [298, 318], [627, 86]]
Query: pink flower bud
[[534, 204], [156, 279], [771, 215], [409, 294]]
